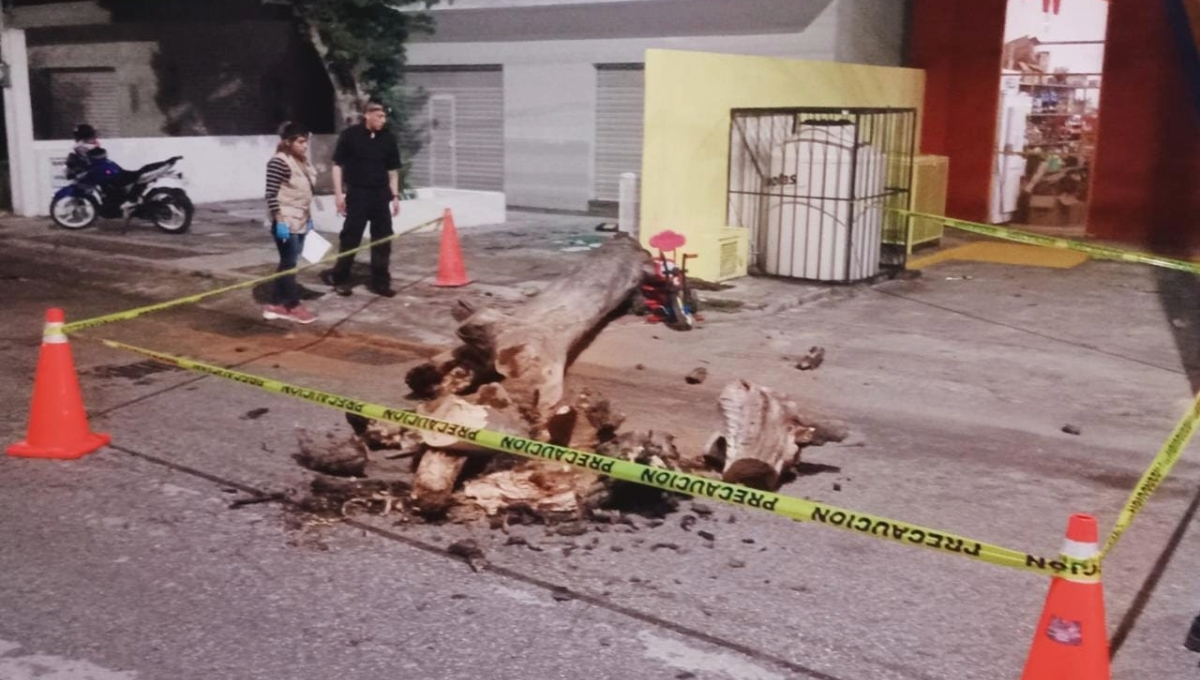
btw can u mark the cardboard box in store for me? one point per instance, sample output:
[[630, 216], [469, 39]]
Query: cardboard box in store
[[1045, 217], [1045, 211], [1056, 211], [1041, 202]]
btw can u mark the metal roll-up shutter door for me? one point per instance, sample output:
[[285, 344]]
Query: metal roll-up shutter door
[[83, 95], [620, 99], [458, 114]]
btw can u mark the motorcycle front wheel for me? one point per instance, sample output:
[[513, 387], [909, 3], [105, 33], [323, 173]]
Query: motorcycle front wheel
[[74, 212], [173, 213]]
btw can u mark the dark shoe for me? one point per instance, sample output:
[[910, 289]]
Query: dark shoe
[[382, 291], [1193, 638], [342, 289]]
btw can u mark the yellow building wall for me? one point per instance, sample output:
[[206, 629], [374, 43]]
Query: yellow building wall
[[685, 152]]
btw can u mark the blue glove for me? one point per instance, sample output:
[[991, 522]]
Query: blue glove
[[282, 232]]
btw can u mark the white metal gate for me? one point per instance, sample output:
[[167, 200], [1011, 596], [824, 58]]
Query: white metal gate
[[443, 170], [620, 102]]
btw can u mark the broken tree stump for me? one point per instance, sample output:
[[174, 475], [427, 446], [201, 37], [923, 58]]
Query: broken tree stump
[[550, 492], [764, 433], [529, 348], [433, 486], [443, 461]]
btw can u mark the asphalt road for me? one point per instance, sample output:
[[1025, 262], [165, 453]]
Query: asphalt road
[[130, 564]]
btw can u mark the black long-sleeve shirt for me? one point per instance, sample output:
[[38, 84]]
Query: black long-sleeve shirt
[[366, 157]]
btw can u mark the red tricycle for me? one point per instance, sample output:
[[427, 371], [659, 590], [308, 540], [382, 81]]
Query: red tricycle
[[668, 297]]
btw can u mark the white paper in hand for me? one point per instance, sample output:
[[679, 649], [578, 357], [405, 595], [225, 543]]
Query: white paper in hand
[[315, 247]]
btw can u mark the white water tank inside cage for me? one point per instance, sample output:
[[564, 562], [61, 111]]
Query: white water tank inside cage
[[824, 205]]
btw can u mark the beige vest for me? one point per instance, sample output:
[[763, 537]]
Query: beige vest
[[296, 194]]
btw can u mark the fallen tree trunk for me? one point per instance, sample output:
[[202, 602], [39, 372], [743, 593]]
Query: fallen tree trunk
[[530, 348], [508, 374], [764, 432]]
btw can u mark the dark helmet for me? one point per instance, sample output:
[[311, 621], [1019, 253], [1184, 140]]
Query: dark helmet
[[85, 132]]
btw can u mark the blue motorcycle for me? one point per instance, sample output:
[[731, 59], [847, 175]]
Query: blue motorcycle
[[103, 190]]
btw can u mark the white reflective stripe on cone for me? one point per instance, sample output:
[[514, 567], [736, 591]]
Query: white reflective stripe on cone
[[54, 335], [1080, 551]]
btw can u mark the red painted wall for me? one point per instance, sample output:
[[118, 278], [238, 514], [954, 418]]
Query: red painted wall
[[959, 44], [1146, 184], [1146, 187]]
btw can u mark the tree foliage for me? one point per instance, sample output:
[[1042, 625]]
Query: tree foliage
[[361, 43]]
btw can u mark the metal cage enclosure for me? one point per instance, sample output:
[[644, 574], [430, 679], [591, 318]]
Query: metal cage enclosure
[[814, 186]]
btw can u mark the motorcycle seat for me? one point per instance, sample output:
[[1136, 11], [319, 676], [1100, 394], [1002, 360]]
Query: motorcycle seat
[[128, 177]]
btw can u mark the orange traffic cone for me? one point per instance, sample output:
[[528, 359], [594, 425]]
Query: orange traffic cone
[[1071, 642], [58, 426], [451, 271]]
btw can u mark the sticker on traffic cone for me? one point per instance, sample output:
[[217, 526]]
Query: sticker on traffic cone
[[58, 426], [1071, 642], [451, 271]]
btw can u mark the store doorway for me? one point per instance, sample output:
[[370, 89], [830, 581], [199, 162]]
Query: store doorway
[[1049, 114]]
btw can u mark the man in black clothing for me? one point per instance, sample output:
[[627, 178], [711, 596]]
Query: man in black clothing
[[366, 178]]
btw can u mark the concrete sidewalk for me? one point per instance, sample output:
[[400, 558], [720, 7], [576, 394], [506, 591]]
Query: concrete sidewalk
[[507, 263]]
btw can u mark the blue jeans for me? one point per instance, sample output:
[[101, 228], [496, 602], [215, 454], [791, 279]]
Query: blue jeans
[[287, 291]]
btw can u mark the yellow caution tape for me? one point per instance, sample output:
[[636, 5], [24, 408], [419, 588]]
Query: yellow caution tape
[[1166, 458], [786, 506], [1103, 252], [1173, 448], [192, 299]]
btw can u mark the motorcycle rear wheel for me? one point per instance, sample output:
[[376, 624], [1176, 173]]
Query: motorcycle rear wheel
[[74, 212], [173, 214]]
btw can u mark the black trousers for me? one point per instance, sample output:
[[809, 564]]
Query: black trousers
[[366, 205]]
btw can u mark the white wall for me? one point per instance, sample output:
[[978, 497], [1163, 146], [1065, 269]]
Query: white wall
[[1076, 20], [1076, 58], [550, 85], [548, 134], [817, 42], [18, 121], [234, 168], [550, 97], [215, 168]]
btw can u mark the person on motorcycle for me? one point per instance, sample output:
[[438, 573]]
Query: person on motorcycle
[[290, 180], [89, 161], [79, 162]]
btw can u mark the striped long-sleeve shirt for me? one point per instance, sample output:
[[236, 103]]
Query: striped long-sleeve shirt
[[278, 172]]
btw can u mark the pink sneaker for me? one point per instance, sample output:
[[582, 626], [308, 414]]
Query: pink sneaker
[[275, 312], [300, 314]]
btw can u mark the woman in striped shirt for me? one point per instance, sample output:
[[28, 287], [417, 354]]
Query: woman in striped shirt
[[290, 179]]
